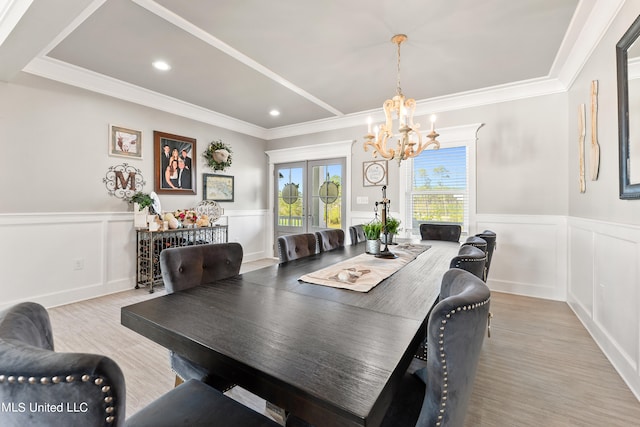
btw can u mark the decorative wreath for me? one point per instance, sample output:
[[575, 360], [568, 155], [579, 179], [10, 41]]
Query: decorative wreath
[[218, 155]]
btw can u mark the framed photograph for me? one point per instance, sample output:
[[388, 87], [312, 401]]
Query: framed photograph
[[374, 173], [174, 163], [218, 188], [124, 142]]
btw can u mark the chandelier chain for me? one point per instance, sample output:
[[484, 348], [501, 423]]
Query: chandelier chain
[[398, 88]]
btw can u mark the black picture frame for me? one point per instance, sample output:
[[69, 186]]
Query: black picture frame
[[174, 183], [628, 189], [219, 188]]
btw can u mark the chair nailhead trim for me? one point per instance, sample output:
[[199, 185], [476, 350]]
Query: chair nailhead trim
[[443, 355], [98, 381]]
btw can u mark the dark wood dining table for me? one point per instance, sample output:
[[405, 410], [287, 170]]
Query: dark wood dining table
[[331, 356]]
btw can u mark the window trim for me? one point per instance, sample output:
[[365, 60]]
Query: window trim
[[467, 136]]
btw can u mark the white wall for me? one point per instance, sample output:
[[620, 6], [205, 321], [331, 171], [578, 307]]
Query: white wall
[[603, 233], [55, 209], [57, 136]]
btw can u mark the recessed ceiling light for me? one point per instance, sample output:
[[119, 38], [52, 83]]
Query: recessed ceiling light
[[274, 113], [161, 65]]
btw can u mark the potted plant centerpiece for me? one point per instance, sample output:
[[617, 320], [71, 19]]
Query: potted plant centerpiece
[[372, 233], [393, 225]]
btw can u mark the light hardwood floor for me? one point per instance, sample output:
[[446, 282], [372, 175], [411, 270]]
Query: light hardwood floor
[[539, 368]]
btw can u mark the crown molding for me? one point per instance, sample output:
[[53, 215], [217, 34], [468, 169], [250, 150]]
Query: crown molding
[[577, 46], [80, 77], [583, 37], [474, 98], [10, 15]]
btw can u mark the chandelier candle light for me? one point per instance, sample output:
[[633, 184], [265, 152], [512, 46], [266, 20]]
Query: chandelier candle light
[[404, 110]]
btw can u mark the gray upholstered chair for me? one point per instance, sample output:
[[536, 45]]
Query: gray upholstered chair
[[294, 246], [88, 390], [477, 242], [188, 266], [356, 232], [490, 237], [438, 394], [329, 240], [448, 232], [471, 259], [455, 334]]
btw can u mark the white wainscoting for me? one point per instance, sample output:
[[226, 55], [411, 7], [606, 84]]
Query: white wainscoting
[[58, 258], [530, 256], [604, 290]]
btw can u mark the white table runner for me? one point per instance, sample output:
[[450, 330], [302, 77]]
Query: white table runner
[[363, 272]]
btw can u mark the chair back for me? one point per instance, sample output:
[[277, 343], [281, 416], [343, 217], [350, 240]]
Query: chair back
[[80, 389], [455, 333], [294, 246], [471, 259], [356, 232], [448, 232], [490, 237], [329, 240], [477, 242], [188, 266]]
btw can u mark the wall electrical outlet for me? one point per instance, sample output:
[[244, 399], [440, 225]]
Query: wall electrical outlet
[[362, 200], [78, 264]]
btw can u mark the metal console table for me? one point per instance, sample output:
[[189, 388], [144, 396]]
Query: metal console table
[[149, 244]]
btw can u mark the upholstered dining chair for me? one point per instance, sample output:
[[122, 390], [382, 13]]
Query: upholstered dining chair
[[438, 395], [490, 237], [478, 242], [329, 240], [294, 246], [356, 232], [471, 259], [40, 387], [188, 266], [448, 232]]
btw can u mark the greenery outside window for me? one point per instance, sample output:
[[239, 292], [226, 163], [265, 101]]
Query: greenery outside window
[[438, 188]]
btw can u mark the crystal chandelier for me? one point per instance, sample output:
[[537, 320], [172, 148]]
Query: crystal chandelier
[[409, 143]]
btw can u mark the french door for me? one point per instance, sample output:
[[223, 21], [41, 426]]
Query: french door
[[309, 196]]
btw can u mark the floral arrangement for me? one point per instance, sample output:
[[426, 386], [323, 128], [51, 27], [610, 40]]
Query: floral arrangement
[[186, 215], [218, 155], [186, 218]]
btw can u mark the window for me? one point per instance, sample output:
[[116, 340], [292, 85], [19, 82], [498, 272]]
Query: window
[[439, 190], [440, 184]]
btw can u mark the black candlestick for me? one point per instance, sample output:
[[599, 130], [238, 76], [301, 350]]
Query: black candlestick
[[385, 253]]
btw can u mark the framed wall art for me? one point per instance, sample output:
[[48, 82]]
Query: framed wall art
[[125, 142], [374, 173], [174, 163], [218, 188]]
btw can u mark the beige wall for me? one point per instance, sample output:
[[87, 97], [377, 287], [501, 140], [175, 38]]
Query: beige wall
[[601, 200], [521, 155], [54, 143]]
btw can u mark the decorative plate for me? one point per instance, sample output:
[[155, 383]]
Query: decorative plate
[[156, 206], [210, 208]]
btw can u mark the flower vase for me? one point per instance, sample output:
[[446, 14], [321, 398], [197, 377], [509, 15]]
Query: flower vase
[[373, 247], [140, 216], [383, 239]]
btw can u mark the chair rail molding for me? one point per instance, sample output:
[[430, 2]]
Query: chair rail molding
[[56, 258]]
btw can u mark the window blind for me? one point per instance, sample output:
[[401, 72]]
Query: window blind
[[438, 188]]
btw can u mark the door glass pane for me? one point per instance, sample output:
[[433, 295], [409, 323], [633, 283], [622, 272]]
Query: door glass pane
[[290, 197], [326, 197]]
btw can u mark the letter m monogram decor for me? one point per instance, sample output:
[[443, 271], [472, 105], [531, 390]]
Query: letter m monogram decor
[[123, 181]]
